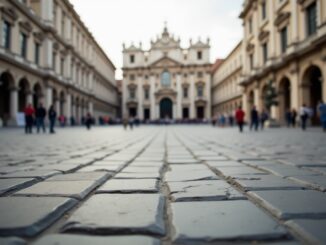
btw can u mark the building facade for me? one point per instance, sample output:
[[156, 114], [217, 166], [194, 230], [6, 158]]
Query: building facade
[[47, 55], [167, 81], [284, 43], [226, 76]]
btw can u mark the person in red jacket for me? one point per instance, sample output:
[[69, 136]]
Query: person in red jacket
[[239, 117], [29, 118]]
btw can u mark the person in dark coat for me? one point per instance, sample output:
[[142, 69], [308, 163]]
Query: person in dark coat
[[263, 118], [40, 115], [254, 118], [88, 121], [52, 119], [288, 118]]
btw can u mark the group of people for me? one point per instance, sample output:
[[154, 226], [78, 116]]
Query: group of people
[[257, 118], [38, 116]]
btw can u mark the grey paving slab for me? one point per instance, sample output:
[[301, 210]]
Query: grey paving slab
[[77, 161], [12, 184], [288, 204], [203, 191], [64, 239], [101, 168], [40, 174], [238, 171], [28, 216], [129, 186], [286, 171], [182, 161], [257, 163], [311, 231], [316, 182], [132, 169], [74, 189], [79, 176], [177, 175], [12, 241], [266, 182], [65, 168], [304, 162], [320, 170], [230, 163], [139, 175], [224, 220], [119, 213]]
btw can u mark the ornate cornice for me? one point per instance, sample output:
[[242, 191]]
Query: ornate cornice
[[281, 17]]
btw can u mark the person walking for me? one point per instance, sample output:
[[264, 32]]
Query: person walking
[[294, 115], [239, 117], [263, 118], [52, 118], [304, 115], [40, 115], [29, 119], [288, 118], [254, 118], [322, 113], [88, 121]]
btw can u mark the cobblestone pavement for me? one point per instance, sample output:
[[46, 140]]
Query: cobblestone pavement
[[163, 185]]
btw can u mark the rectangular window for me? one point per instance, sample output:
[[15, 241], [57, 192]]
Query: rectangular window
[[265, 52], [251, 61], [132, 77], [263, 10], [199, 55], [200, 91], [200, 74], [250, 25], [185, 92], [284, 39], [6, 35], [62, 66], [146, 94], [132, 58], [311, 19], [63, 24], [37, 53], [132, 94], [54, 61], [23, 45]]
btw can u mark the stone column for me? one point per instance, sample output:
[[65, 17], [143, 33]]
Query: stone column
[[175, 111], [154, 111], [140, 95], [157, 111], [48, 53], [179, 97], [13, 106], [192, 96], [295, 98], [257, 99], [245, 104], [29, 97], [208, 96], [323, 84], [124, 97], [272, 42], [67, 109], [57, 107], [49, 97], [91, 108], [294, 21]]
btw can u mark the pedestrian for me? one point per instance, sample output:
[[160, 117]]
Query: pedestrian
[[294, 115], [263, 118], [40, 115], [88, 121], [231, 120], [222, 120], [131, 123], [254, 123], [29, 119], [239, 117], [288, 118], [322, 113], [304, 115], [52, 118]]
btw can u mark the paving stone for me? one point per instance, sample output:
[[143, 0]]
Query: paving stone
[[189, 175], [217, 164], [101, 168], [317, 182], [182, 161], [65, 168], [12, 241], [129, 186], [100, 177], [259, 163], [287, 204], [319, 170], [74, 189], [224, 220], [40, 174], [140, 175], [304, 162], [96, 240], [265, 182], [77, 161], [147, 164], [286, 171], [203, 191], [132, 169], [28, 216], [239, 171], [119, 213], [311, 231], [12, 184]]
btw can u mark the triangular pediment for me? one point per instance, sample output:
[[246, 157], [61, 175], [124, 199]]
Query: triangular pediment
[[165, 62]]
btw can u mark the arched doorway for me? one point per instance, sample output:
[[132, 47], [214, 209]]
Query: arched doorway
[[6, 83], [166, 108], [23, 90], [37, 95], [284, 97], [312, 90]]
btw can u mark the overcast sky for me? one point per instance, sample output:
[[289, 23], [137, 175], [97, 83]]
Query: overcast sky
[[114, 22]]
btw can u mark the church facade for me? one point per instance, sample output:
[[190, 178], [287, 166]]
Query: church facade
[[167, 81]]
